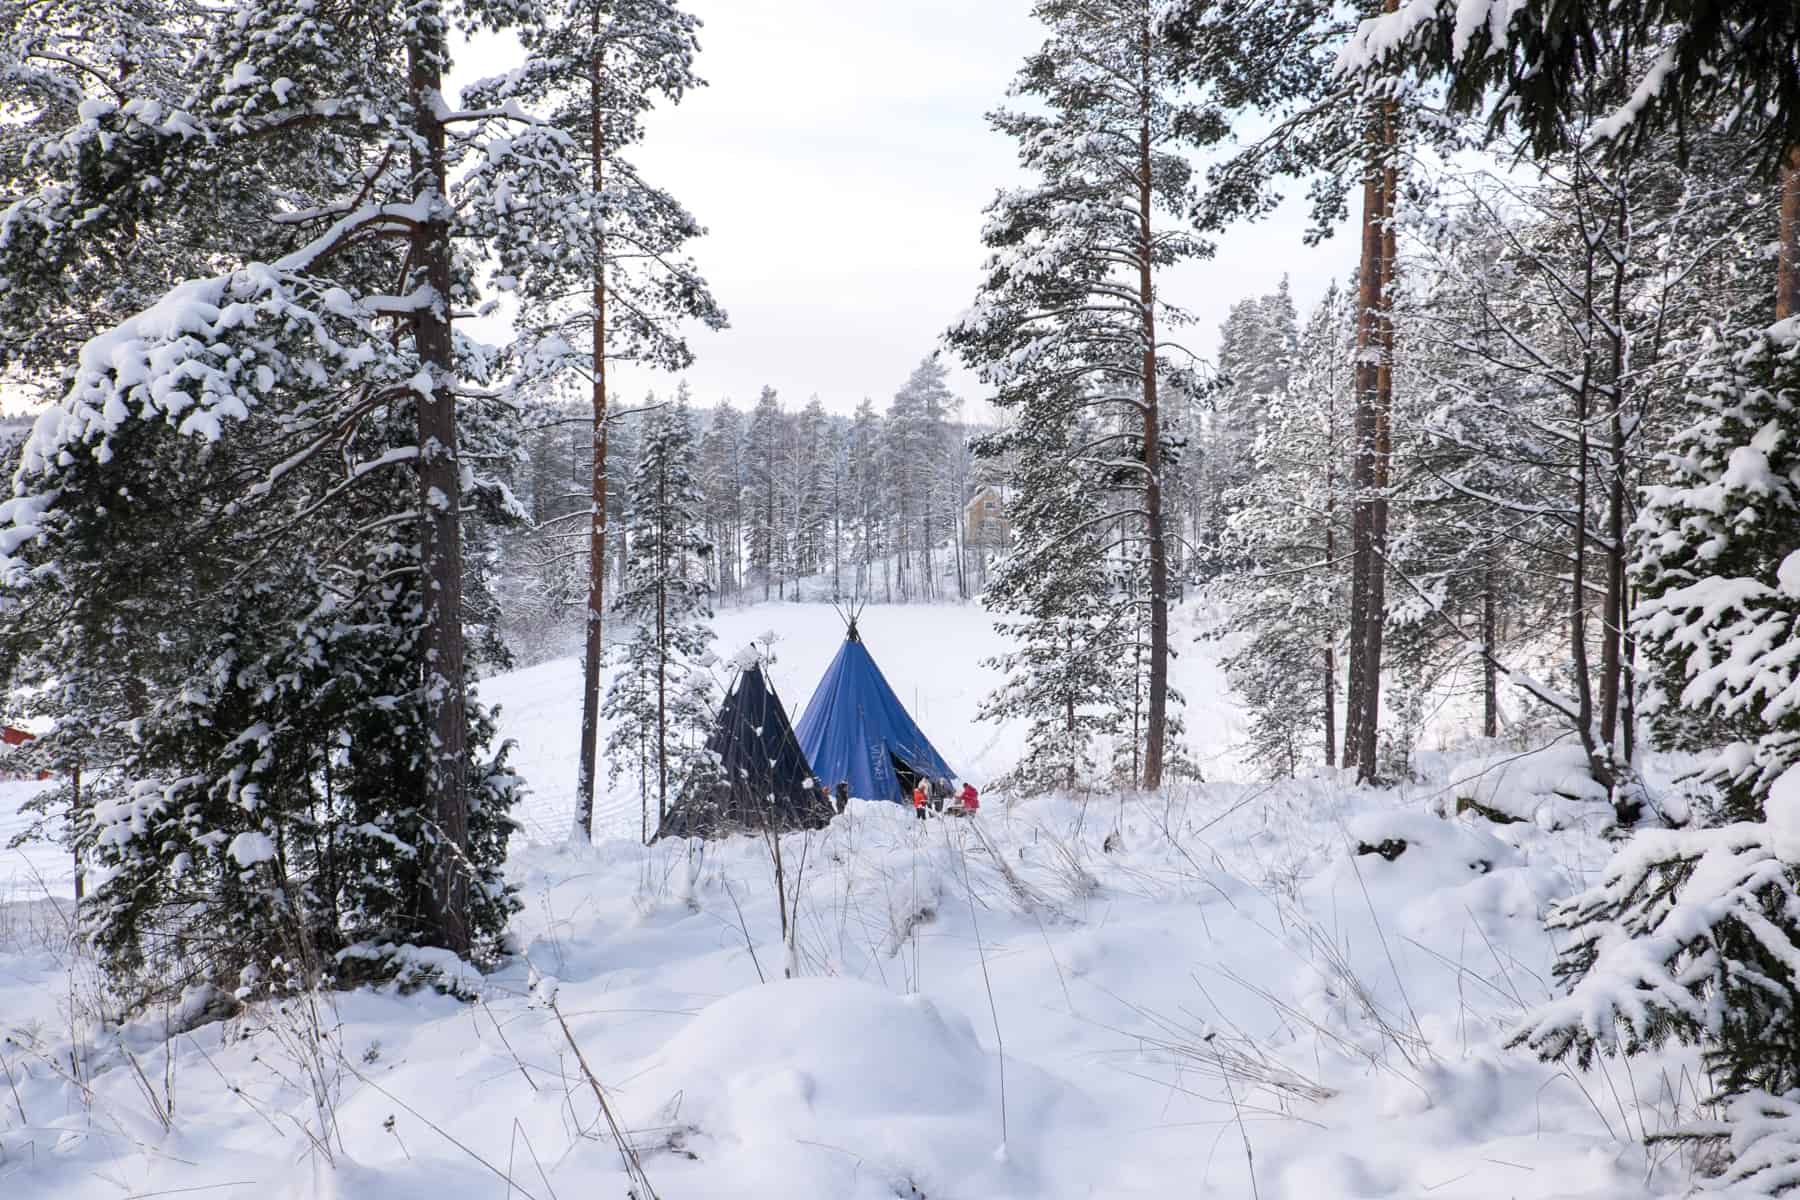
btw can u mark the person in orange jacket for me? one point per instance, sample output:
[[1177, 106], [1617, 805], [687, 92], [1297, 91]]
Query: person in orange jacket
[[919, 799]]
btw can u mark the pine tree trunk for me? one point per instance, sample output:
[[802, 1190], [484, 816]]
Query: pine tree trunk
[[1069, 725], [440, 497], [1787, 263], [1153, 505], [596, 600], [1628, 651], [928, 576], [1490, 633], [1381, 467], [1331, 561], [1366, 467], [1578, 654], [1613, 631], [621, 545], [663, 533], [76, 819], [1598, 752]]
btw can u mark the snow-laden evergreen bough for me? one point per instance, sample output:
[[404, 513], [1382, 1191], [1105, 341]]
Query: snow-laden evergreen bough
[[1719, 568], [1694, 934]]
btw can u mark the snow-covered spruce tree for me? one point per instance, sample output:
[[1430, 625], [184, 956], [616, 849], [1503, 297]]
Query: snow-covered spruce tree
[[660, 698], [721, 473], [238, 667], [616, 287], [1719, 579], [318, 145], [1070, 295], [1286, 540], [765, 535], [1051, 597], [1693, 934], [867, 487], [811, 488], [1257, 347]]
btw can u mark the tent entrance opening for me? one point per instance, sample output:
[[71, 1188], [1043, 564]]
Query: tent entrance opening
[[909, 778]]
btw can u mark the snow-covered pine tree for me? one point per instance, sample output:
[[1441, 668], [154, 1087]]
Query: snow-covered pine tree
[[239, 674], [765, 534], [1052, 598], [939, 505], [318, 145], [617, 287], [954, 489], [1286, 540], [1257, 344], [811, 487], [1276, 61], [660, 698], [913, 454], [1631, 79], [866, 487], [721, 473], [1550, 324], [836, 499], [1071, 290], [62, 65]]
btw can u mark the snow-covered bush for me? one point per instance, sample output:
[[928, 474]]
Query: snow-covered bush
[[1719, 569], [1689, 935], [1693, 935]]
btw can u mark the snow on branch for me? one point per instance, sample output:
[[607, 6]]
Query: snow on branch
[[200, 359]]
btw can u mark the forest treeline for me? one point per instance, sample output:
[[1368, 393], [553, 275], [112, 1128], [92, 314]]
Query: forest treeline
[[863, 507]]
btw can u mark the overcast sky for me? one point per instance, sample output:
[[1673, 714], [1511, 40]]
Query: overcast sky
[[840, 161]]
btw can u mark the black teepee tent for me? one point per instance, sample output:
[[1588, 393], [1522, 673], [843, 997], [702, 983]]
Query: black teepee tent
[[761, 779]]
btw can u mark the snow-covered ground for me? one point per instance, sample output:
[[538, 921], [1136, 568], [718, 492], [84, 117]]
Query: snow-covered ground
[[32, 869], [1206, 993]]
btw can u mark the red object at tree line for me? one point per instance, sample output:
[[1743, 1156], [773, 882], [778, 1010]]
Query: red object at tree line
[[17, 737]]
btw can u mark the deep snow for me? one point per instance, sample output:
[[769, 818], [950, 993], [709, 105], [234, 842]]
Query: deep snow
[[1208, 992]]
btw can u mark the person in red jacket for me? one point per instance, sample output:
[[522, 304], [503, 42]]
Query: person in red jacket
[[919, 799], [971, 800]]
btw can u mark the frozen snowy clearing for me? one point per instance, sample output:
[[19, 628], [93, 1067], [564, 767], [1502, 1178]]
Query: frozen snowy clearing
[[1205, 993]]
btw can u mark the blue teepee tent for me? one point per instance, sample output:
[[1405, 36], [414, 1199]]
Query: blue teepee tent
[[855, 729]]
